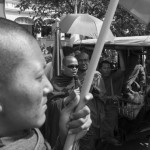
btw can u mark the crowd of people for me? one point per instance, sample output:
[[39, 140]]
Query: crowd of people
[[108, 87], [24, 89], [27, 122]]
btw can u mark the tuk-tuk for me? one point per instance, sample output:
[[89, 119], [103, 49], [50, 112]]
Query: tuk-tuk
[[130, 129]]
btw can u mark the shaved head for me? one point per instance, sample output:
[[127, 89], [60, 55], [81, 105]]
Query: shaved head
[[70, 66], [23, 84], [12, 45], [68, 59]]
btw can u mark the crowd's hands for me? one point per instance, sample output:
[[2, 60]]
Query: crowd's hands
[[72, 122], [73, 93]]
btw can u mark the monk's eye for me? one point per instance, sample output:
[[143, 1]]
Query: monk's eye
[[40, 77]]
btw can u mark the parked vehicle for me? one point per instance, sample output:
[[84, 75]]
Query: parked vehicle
[[130, 127]]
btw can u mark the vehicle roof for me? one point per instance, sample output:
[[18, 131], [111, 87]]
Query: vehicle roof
[[130, 41]]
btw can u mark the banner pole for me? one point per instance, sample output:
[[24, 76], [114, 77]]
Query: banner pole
[[94, 62]]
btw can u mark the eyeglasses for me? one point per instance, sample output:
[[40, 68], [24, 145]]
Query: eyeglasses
[[73, 66]]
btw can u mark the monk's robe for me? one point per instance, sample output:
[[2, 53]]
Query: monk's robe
[[62, 85], [27, 140]]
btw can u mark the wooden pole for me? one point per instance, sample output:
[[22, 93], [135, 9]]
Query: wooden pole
[[93, 63]]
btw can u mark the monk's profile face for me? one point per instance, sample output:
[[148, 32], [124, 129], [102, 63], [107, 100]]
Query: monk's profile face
[[70, 68], [24, 98]]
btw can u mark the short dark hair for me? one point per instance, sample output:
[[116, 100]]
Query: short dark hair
[[82, 53], [104, 62]]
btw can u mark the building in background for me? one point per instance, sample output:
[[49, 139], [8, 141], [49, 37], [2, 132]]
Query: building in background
[[46, 37], [13, 13]]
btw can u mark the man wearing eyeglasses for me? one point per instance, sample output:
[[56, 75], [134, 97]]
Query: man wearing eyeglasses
[[63, 86], [66, 82], [88, 142], [70, 66]]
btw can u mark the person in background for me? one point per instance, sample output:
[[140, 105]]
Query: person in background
[[113, 90], [24, 88], [89, 141], [134, 89], [67, 80], [135, 75], [83, 61], [63, 86]]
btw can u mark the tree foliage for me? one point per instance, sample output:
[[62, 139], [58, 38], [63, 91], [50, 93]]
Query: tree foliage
[[123, 23]]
